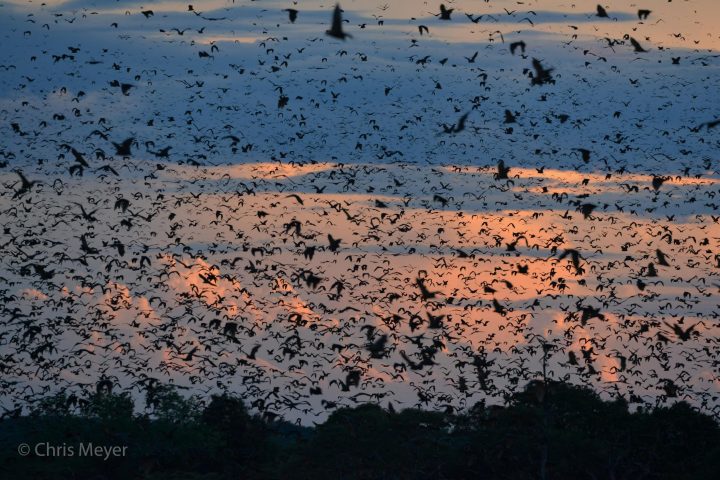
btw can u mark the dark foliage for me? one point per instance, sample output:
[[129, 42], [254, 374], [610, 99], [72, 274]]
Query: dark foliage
[[552, 431]]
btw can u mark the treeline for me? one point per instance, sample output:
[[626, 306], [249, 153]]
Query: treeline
[[553, 431]]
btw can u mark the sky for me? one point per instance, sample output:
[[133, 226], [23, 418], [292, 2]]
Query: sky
[[253, 143]]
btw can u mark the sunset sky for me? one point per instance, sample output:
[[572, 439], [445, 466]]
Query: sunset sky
[[173, 184]]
